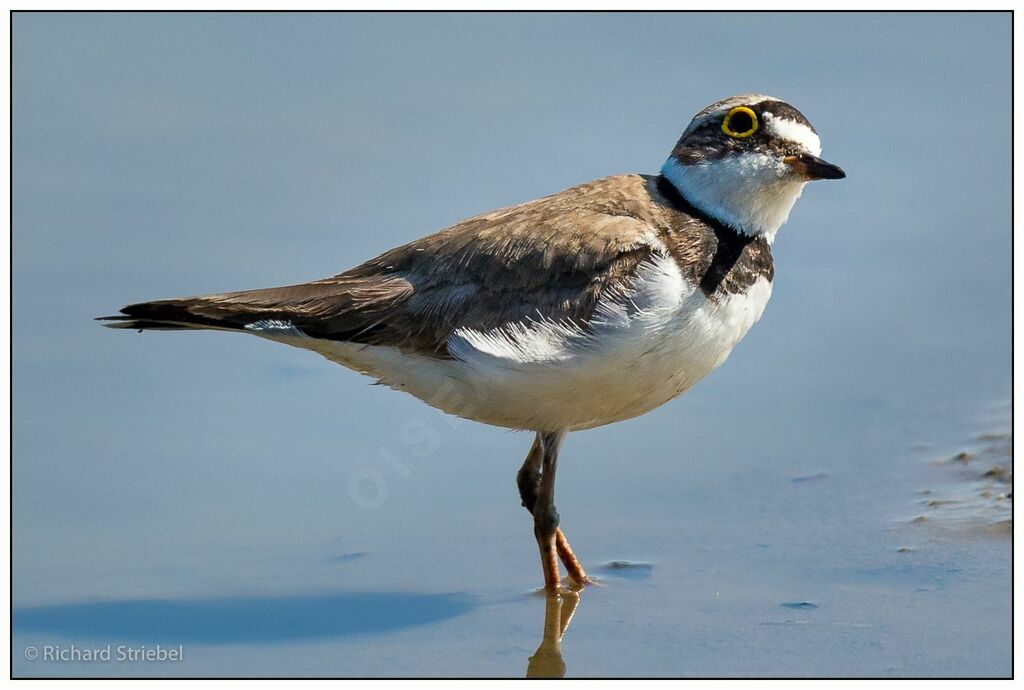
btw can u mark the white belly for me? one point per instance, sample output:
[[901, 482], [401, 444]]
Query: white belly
[[645, 349]]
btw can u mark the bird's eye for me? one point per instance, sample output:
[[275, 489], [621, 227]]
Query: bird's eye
[[740, 123]]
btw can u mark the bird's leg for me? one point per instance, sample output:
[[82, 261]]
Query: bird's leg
[[572, 564], [528, 480], [545, 517]]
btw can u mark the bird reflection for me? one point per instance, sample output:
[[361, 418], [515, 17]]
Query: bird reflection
[[547, 661]]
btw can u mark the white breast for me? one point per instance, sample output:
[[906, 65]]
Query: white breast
[[645, 347]]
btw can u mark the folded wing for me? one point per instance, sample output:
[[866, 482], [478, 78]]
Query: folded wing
[[550, 259]]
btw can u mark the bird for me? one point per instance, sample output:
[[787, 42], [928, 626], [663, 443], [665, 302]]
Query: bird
[[576, 310]]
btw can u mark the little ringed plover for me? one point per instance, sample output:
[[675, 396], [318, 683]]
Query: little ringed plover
[[587, 307]]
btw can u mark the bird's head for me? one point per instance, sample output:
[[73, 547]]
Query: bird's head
[[745, 160]]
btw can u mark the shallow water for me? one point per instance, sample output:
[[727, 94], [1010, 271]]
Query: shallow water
[[744, 572], [804, 511], [739, 570]]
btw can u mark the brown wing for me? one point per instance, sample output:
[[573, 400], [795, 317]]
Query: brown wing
[[552, 258]]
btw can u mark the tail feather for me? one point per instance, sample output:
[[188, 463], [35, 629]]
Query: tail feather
[[338, 308], [139, 325], [172, 315]]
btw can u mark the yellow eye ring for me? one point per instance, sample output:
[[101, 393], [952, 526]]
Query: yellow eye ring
[[744, 113]]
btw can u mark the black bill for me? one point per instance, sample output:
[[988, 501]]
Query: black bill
[[814, 168]]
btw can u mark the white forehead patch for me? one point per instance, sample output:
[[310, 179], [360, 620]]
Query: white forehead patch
[[796, 132]]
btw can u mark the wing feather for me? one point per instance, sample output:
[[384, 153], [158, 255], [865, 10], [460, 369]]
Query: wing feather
[[551, 259]]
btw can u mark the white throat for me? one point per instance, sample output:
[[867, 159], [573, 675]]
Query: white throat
[[752, 193]]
